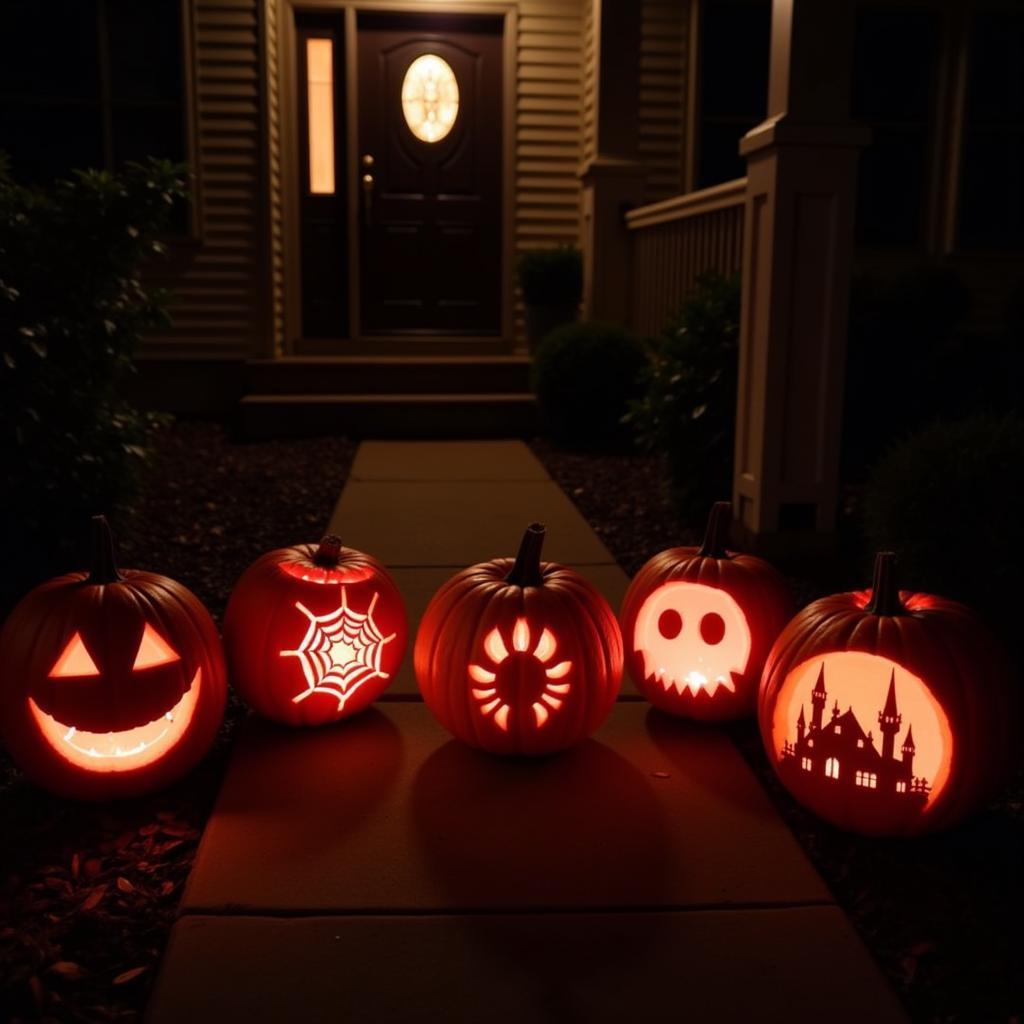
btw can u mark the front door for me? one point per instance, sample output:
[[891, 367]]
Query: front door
[[430, 183]]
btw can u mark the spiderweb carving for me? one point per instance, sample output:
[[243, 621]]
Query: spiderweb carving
[[340, 652]]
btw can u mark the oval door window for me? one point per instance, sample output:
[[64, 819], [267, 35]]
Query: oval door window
[[430, 98]]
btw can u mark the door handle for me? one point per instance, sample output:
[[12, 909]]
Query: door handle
[[368, 187]]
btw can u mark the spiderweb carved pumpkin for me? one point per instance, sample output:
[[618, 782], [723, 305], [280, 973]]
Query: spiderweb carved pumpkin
[[112, 683], [698, 624], [888, 712], [314, 633], [519, 656]]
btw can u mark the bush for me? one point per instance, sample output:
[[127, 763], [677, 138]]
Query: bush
[[907, 362], [551, 277], [584, 376], [688, 408], [72, 306], [949, 499]]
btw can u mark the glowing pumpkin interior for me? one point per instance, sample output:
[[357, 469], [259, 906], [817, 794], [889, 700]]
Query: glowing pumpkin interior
[[857, 722], [340, 651], [692, 637], [124, 749], [520, 676]]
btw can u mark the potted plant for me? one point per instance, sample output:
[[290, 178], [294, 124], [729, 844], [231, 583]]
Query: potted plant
[[552, 284]]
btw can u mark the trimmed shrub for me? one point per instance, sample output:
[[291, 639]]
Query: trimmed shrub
[[551, 277], [949, 499], [72, 307], [688, 408], [584, 376]]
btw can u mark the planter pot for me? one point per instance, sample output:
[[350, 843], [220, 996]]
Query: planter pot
[[540, 321]]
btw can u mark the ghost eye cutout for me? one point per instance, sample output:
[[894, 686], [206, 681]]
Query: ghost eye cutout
[[712, 628], [670, 624], [74, 661], [153, 650]]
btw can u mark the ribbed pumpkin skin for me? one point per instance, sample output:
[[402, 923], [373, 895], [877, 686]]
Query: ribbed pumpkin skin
[[111, 618], [764, 599], [945, 645], [262, 620], [477, 600]]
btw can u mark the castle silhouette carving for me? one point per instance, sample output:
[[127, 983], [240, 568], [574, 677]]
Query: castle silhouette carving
[[838, 756]]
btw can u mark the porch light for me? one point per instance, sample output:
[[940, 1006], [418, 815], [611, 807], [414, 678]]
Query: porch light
[[430, 98], [320, 112]]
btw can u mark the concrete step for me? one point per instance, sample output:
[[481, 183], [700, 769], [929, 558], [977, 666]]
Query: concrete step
[[390, 415], [398, 374]]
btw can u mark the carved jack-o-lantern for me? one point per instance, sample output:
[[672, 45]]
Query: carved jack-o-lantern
[[887, 713], [698, 624], [519, 657], [314, 633], [113, 682]]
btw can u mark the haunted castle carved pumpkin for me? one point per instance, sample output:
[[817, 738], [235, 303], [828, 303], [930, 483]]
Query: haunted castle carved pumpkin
[[314, 633], [888, 713], [112, 683], [698, 624], [519, 657]]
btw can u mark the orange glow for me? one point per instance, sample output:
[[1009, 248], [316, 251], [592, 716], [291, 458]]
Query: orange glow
[[907, 731], [430, 98], [310, 573], [497, 695], [320, 104], [340, 652], [692, 637], [127, 749], [74, 660], [153, 650]]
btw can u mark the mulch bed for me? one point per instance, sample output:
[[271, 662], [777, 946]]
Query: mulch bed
[[941, 914], [88, 894]]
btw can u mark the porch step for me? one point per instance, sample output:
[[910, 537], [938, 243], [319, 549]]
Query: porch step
[[389, 375], [389, 415]]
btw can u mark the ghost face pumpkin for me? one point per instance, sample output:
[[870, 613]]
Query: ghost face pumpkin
[[888, 712], [113, 684], [698, 624], [520, 657], [314, 633]]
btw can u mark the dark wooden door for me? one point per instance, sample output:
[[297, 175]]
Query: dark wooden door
[[430, 217]]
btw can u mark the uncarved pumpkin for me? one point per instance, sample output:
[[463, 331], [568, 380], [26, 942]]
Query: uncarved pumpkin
[[888, 712], [314, 633], [112, 683], [519, 656], [698, 624]]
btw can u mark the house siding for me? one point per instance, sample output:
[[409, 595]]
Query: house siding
[[217, 282]]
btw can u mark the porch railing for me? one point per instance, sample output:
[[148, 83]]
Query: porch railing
[[677, 239]]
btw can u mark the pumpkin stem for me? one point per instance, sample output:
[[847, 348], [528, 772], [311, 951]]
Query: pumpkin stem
[[717, 532], [885, 594], [104, 565], [526, 571], [329, 552]]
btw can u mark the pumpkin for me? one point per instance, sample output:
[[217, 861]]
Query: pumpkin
[[888, 712], [314, 633], [519, 656], [698, 624], [112, 683]]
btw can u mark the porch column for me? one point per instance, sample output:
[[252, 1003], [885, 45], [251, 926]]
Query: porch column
[[612, 180], [797, 259]]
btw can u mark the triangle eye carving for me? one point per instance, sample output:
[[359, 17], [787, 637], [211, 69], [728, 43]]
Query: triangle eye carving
[[153, 650], [75, 660]]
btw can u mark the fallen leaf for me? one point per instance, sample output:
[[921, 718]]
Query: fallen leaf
[[125, 976], [93, 899], [68, 970], [124, 885]]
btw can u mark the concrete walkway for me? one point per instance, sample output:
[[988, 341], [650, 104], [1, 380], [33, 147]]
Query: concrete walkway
[[380, 871]]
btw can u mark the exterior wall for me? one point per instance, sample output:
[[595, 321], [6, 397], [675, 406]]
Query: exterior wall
[[664, 59], [217, 278]]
